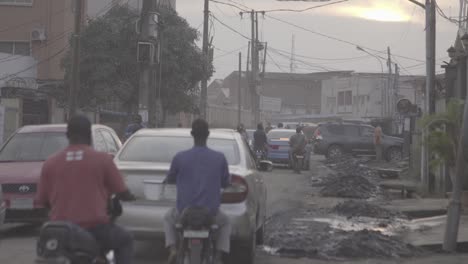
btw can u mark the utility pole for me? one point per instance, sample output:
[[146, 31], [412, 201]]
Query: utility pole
[[388, 100], [292, 66], [204, 82], [239, 91], [253, 75], [75, 85], [396, 88], [147, 47], [247, 69], [430, 9]]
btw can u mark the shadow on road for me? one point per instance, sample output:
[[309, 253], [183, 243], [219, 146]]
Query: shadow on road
[[19, 231]]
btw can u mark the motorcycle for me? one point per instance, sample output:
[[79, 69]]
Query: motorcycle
[[196, 237], [66, 243], [260, 154], [298, 160]]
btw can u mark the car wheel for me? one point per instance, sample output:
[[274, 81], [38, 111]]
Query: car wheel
[[244, 251], [394, 154], [334, 151]]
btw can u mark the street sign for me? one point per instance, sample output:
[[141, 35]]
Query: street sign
[[270, 104]]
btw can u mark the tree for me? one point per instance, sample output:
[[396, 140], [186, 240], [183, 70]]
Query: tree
[[444, 134], [109, 68]]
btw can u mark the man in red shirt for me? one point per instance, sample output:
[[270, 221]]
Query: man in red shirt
[[76, 185]]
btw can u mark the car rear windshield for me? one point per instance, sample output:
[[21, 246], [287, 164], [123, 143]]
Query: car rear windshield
[[280, 134], [33, 146], [163, 149]]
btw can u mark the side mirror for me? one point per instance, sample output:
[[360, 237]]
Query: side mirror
[[265, 165]]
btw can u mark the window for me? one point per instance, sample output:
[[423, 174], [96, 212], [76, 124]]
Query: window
[[110, 142], [277, 134], [99, 142], [335, 129], [164, 148], [367, 131], [16, 2], [345, 101], [16, 48], [33, 146], [352, 131]]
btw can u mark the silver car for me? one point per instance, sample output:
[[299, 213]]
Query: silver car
[[146, 157]]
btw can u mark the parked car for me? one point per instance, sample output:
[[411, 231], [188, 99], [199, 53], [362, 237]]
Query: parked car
[[278, 145], [334, 139], [21, 159], [2, 207], [147, 156]]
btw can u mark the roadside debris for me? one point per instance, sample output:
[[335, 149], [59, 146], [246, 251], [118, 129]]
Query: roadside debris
[[350, 186], [353, 208]]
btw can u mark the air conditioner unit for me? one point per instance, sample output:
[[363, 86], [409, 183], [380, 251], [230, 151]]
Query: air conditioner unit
[[38, 34]]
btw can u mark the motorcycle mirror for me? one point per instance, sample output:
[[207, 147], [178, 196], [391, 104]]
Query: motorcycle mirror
[[265, 165]]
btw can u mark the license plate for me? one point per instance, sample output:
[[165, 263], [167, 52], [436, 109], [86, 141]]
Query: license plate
[[22, 203], [196, 234]]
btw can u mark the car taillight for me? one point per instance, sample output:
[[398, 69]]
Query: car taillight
[[237, 192], [274, 146]]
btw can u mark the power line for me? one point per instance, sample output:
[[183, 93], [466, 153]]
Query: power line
[[305, 9], [228, 52], [274, 62], [232, 29], [228, 4], [326, 59]]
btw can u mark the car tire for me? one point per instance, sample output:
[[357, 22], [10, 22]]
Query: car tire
[[394, 154], [244, 251], [334, 151]]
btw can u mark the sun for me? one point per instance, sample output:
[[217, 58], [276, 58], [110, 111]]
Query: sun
[[377, 13]]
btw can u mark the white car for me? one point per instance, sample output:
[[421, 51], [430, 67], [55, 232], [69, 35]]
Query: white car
[[146, 157]]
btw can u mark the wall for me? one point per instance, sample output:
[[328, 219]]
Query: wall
[[56, 17], [12, 116]]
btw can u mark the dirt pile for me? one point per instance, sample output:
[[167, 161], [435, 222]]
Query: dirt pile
[[351, 165], [367, 244], [350, 186], [354, 208]]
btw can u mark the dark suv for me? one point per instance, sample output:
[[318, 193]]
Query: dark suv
[[335, 139]]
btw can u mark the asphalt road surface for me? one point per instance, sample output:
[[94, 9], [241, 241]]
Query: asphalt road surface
[[285, 191]]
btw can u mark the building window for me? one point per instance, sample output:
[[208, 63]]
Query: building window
[[17, 2], [15, 48], [345, 102]]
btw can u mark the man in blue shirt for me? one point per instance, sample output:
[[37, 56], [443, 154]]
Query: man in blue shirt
[[199, 174], [134, 127]]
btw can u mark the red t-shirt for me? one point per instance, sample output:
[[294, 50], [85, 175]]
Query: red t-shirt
[[77, 183]]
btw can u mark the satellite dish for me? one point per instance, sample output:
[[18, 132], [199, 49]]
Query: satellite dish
[[404, 106]]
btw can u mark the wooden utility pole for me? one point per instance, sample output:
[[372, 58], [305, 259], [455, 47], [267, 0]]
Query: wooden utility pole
[[239, 91], [204, 82], [253, 77], [388, 100], [75, 84]]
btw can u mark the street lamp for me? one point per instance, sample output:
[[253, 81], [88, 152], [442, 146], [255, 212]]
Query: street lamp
[[383, 93]]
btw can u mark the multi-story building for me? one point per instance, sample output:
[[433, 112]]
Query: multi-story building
[[96, 7]]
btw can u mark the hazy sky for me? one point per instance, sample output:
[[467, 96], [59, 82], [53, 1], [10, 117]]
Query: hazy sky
[[375, 24]]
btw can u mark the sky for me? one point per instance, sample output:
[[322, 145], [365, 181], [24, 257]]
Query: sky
[[374, 25]]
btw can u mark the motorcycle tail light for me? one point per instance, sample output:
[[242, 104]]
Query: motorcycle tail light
[[274, 146], [237, 192]]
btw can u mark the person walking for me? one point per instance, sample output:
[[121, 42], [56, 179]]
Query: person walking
[[378, 142]]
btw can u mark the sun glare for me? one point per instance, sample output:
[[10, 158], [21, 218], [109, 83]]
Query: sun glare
[[377, 13]]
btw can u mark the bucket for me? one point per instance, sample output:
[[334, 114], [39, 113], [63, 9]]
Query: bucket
[[153, 189]]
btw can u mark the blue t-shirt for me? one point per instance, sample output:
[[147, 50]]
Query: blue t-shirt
[[199, 173]]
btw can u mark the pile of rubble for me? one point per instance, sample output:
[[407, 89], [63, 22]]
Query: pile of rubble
[[353, 208], [352, 165], [350, 186]]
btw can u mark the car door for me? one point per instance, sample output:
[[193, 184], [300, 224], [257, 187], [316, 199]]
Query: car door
[[111, 144], [98, 141], [366, 140], [351, 137], [260, 188]]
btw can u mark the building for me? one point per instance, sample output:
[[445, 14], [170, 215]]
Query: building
[[98, 7], [296, 93], [359, 95]]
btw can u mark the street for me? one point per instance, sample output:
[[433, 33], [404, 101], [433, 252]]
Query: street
[[286, 191]]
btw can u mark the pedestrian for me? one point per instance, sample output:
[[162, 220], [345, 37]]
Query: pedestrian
[[241, 130], [280, 125], [134, 127], [378, 142], [268, 127]]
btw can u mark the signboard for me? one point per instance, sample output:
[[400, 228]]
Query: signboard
[[270, 104], [2, 123]]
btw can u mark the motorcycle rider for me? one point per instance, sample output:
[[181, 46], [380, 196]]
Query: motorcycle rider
[[260, 139], [76, 184], [199, 174], [134, 127], [297, 144]]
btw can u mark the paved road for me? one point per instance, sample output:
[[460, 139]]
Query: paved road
[[285, 190]]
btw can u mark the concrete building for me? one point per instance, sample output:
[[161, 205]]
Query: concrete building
[[297, 93], [359, 95]]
